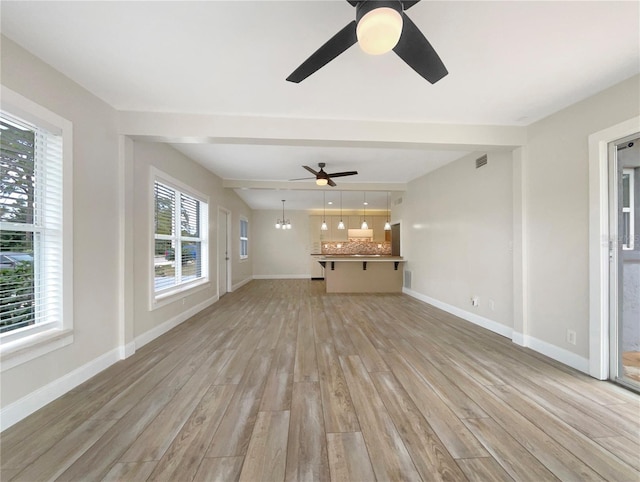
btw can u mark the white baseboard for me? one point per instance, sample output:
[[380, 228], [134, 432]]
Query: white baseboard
[[490, 325], [161, 329], [127, 350], [281, 276], [241, 283], [37, 399], [518, 338], [555, 352], [547, 349]]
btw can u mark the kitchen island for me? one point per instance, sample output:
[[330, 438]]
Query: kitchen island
[[362, 273]]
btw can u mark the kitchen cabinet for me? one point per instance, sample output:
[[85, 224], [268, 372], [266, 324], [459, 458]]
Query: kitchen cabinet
[[355, 222], [377, 224], [314, 234], [328, 234], [338, 234], [333, 234]]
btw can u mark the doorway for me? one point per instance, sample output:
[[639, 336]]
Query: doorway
[[395, 239], [624, 261], [224, 266]]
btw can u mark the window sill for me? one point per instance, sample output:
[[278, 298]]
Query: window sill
[[33, 346], [179, 293]]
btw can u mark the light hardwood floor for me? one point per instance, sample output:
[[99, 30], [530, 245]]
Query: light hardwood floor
[[279, 381]]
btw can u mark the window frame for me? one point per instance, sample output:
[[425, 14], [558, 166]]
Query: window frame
[[244, 253], [27, 343], [169, 295], [630, 236]]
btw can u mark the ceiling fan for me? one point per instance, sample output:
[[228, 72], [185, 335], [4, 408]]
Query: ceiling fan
[[322, 178], [380, 26]]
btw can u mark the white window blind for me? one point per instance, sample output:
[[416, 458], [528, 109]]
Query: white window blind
[[244, 239], [31, 256], [180, 227]]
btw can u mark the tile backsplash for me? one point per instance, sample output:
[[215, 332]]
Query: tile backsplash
[[356, 247]]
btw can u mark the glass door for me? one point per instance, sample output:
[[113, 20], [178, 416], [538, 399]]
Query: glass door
[[624, 159]]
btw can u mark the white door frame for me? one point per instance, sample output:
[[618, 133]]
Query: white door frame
[[599, 243], [223, 211]]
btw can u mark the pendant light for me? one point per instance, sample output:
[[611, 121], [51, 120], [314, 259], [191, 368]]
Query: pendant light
[[364, 214], [387, 225], [340, 224], [283, 223], [324, 226]]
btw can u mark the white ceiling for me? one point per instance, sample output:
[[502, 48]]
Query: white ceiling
[[510, 63]]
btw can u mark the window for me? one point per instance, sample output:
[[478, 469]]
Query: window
[[628, 224], [35, 228], [180, 237], [244, 238]]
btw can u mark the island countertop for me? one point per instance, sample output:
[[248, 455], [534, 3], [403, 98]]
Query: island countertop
[[359, 257]]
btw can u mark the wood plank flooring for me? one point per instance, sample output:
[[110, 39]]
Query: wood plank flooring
[[279, 381]]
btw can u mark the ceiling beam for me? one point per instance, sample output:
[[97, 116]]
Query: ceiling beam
[[199, 128], [311, 186]]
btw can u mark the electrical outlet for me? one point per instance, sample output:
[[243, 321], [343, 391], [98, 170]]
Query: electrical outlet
[[571, 337]]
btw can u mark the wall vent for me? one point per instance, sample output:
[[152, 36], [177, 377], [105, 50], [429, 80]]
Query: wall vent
[[397, 201], [407, 279], [481, 161]]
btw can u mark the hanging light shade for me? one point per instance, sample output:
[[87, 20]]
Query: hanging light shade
[[340, 224], [364, 213], [387, 225], [324, 226], [283, 223], [379, 29]]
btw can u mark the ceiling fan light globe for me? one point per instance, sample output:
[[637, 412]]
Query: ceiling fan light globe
[[379, 30], [322, 182]]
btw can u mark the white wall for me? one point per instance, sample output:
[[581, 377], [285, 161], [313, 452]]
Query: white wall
[[557, 221], [457, 228], [277, 253], [95, 220]]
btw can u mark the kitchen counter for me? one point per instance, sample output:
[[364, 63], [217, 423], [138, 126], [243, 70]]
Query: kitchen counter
[[362, 273]]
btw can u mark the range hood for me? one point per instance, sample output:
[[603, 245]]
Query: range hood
[[361, 234]]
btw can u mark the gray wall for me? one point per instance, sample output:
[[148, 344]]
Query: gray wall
[[556, 175], [175, 164], [95, 219], [457, 226]]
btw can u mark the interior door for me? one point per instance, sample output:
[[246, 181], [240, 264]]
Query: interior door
[[624, 187], [223, 251]]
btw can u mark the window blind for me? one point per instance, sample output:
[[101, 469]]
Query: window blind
[[31, 183]]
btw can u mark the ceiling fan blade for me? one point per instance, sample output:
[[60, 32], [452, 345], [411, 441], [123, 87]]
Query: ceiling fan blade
[[337, 44], [331, 183], [418, 53], [342, 174], [315, 173], [407, 4], [302, 179], [354, 2]]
